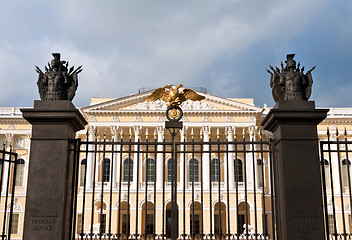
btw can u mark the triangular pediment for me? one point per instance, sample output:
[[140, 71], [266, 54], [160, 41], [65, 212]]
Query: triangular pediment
[[136, 102]]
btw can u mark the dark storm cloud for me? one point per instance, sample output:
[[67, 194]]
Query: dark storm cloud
[[223, 46]]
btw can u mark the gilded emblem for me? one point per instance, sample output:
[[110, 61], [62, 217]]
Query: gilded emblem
[[174, 95]]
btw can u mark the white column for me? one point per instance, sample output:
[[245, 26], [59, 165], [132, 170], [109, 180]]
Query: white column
[[183, 175], [249, 160], [116, 157], [335, 165], [9, 141], [206, 166], [90, 157], [231, 168], [159, 159], [136, 181]]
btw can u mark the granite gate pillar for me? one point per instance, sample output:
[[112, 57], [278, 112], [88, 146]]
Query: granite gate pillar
[[50, 177], [298, 192]]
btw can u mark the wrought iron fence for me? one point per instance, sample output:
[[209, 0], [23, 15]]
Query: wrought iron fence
[[335, 152], [8, 169], [161, 189]]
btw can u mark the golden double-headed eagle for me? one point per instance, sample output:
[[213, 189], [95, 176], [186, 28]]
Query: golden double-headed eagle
[[173, 95]]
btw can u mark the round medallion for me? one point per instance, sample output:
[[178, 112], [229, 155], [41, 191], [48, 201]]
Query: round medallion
[[174, 113]]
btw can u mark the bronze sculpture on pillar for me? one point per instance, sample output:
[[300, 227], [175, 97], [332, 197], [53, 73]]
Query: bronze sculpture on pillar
[[58, 83], [290, 83], [51, 181], [293, 122]]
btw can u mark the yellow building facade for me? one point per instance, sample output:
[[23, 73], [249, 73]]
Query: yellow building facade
[[127, 188]]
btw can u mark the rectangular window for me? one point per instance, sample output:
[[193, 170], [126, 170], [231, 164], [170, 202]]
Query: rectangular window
[[19, 175], [196, 228], [150, 224], [102, 221], [331, 224], [79, 223], [128, 171], [266, 224], [125, 227], [14, 223]]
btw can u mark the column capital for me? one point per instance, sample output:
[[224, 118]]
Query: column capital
[[206, 129], [9, 136], [114, 130], [159, 129], [137, 129], [184, 130], [91, 130], [230, 130]]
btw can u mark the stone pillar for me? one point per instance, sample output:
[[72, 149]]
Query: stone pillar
[[50, 178], [206, 164], [90, 157], [230, 158], [159, 159], [297, 181]]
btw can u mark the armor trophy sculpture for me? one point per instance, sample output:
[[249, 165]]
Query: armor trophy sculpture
[[58, 83], [295, 153], [52, 162], [290, 83], [174, 95]]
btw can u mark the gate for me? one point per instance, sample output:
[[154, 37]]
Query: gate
[[167, 187], [8, 169], [336, 182]]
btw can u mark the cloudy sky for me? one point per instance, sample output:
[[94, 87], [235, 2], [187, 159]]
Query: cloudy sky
[[221, 45]]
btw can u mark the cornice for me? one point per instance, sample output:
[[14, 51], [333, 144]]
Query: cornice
[[140, 97], [19, 120], [161, 112]]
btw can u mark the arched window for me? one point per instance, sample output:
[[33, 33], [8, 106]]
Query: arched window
[[150, 170], [169, 170], [82, 172], [193, 171], [238, 170], [106, 170], [326, 173], [260, 172], [127, 170], [19, 172], [215, 170], [346, 170]]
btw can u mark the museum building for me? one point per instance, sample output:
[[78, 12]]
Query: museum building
[[126, 191]]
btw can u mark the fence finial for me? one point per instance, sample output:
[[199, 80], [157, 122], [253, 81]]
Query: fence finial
[[345, 133], [260, 134], [337, 132], [121, 133], [327, 132], [192, 133], [244, 134], [218, 133], [146, 134]]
